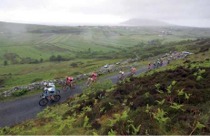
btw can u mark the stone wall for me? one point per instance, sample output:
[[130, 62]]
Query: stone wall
[[100, 71], [124, 65]]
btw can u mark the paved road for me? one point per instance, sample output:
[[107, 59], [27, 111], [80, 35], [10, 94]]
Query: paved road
[[17, 111]]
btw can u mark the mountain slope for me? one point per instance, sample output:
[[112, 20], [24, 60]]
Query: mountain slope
[[144, 22]]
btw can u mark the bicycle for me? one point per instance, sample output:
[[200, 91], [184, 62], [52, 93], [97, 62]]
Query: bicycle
[[90, 81], [71, 85], [121, 78], [45, 98]]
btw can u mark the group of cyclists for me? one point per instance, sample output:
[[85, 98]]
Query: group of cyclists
[[49, 88], [122, 73]]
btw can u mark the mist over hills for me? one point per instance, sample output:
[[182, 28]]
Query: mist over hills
[[138, 22], [130, 22], [144, 22]]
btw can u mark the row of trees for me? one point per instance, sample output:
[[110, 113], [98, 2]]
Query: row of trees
[[29, 60]]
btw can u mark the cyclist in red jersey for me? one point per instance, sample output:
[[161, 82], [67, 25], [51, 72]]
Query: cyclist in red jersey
[[69, 82], [92, 78]]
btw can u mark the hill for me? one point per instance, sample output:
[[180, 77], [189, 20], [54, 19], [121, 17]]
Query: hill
[[24, 44], [144, 22], [166, 101]]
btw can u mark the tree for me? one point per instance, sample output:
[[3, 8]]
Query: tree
[[89, 50], [52, 58], [41, 60], [5, 63]]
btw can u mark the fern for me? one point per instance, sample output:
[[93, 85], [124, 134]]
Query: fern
[[87, 109], [69, 121], [5, 131], [147, 94], [118, 117], [160, 102], [180, 92], [197, 126], [112, 133], [148, 108], [187, 96], [124, 115], [111, 104], [135, 130], [176, 106], [169, 88], [160, 91], [198, 78], [173, 83], [102, 109], [157, 86], [85, 124], [202, 71], [160, 116], [112, 122], [195, 74], [95, 134]]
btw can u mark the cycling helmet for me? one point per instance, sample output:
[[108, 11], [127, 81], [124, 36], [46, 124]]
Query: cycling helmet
[[51, 84], [70, 78]]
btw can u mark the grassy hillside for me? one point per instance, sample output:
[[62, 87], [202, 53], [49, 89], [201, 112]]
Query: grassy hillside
[[170, 100], [20, 42]]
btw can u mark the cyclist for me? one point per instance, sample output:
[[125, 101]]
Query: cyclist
[[133, 71], [69, 82], [92, 78], [121, 75], [149, 66], [49, 89]]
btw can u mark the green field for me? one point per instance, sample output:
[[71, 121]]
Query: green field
[[41, 42]]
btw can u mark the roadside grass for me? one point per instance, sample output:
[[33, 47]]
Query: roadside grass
[[27, 94]]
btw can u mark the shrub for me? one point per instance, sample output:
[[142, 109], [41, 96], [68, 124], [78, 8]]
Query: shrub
[[99, 86], [36, 79], [19, 93]]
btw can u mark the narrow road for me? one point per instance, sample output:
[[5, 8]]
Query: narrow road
[[14, 112]]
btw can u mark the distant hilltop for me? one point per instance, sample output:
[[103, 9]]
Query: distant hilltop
[[144, 22]]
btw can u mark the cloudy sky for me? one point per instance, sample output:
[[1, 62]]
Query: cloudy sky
[[102, 12]]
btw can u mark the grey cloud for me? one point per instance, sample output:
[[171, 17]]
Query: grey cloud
[[27, 4], [168, 8], [149, 9]]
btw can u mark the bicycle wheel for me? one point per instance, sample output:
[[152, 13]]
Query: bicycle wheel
[[57, 98], [43, 102]]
